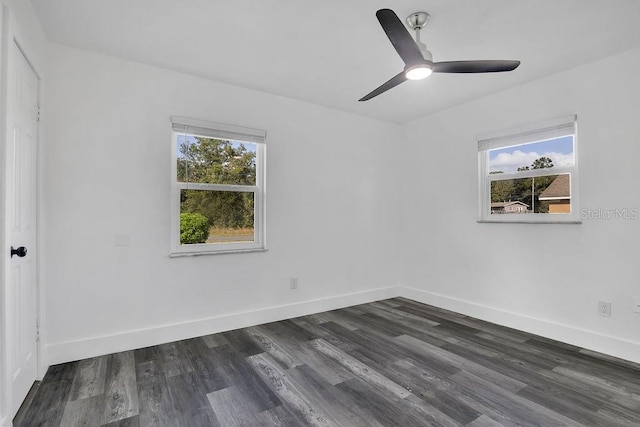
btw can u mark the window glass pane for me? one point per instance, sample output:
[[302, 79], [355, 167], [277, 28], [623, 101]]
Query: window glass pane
[[540, 194], [535, 155], [215, 161], [216, 216]]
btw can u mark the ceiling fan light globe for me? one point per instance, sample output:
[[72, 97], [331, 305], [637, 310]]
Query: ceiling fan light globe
[[418, 73]]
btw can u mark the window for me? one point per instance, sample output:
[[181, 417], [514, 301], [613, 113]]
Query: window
[[530, 174], [218, 196]]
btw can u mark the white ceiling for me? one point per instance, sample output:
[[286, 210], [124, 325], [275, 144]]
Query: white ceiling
[[332, 52]]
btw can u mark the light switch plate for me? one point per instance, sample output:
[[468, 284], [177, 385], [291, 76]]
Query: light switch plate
[[123, 239]]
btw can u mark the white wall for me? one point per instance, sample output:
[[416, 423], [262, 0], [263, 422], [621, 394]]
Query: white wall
[[541, 278], [107, 166], [333, 211]]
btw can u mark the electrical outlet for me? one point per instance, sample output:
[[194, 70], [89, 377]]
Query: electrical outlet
[[604, 309], [293, 283], [636, 304]]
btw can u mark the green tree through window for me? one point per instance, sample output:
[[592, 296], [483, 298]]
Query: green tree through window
[[216, 161]]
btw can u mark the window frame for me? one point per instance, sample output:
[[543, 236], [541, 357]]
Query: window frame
[[537, 132], [207, 129]]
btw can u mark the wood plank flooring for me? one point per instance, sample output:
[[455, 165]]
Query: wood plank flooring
[[389, 363]]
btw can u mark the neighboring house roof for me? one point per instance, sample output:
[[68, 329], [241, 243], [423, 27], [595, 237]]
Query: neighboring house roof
[[505, 204], [560, 188]]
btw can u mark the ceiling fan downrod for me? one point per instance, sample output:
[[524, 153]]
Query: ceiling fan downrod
[[417, 21]]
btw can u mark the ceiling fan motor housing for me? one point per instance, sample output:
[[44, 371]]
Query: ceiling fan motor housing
[[426, 53]]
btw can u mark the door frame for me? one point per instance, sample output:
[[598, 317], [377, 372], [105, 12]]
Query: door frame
[[11, 33]]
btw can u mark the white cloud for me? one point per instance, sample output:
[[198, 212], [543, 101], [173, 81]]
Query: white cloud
[[560, 159], [510, 162]]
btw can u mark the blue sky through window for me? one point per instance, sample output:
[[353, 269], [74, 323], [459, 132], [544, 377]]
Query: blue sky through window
[[509, 159]]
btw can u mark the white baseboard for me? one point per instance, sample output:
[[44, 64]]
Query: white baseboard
[[612, 346], [129, 340], [95, 346]]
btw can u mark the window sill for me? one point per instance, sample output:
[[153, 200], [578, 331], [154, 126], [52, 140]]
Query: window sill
[[218, 252], [489, 221]]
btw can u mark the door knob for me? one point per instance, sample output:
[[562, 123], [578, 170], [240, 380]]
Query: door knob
[[21, 251]]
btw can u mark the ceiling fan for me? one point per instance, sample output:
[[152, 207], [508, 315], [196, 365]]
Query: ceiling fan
[[418, 60]]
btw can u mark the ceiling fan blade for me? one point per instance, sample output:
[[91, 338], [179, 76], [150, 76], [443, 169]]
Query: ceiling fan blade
[[491, 66], [393, 82], [399, 37]]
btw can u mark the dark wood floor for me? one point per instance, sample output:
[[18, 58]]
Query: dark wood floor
[[390, 363]]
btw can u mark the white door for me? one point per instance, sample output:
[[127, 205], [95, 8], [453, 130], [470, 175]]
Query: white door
[[21, 308]]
